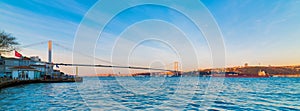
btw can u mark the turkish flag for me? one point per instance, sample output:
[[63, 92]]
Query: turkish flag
[[17, 54]]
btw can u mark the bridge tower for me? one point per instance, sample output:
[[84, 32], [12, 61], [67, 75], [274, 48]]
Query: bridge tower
[[175, 66], [176, 69], [50, 70], [50, 51]]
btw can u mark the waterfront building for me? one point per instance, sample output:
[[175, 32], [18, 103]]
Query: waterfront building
[[25, 73], [6, 64], [32, 67], [297, 68], [41, 68], [57, 74]]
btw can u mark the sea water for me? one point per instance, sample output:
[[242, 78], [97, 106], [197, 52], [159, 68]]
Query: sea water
[[156, 93]]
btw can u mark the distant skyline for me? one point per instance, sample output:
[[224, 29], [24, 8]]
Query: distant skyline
[[254, 31]]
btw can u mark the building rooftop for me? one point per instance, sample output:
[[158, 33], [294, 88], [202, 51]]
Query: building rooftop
[[23, 68], [38, 65]]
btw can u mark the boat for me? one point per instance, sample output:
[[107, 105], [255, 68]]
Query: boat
[[260, 74]]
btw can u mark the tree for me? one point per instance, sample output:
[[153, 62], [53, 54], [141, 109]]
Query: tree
[[7, 42]]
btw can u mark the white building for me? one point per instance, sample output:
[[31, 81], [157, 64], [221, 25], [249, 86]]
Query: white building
[[7, 66], [25, 73]]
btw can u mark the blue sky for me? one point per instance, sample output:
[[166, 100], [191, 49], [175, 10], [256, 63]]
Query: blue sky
[[254, 31]]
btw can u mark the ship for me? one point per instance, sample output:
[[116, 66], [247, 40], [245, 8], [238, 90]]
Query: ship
[[260, 74], [157, 74]]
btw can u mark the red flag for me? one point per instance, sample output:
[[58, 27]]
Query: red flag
[[17, 54]]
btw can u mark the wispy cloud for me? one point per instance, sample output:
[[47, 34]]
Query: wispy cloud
[[250, 28], [71, 6]]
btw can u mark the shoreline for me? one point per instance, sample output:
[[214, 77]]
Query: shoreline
[[12, 83]]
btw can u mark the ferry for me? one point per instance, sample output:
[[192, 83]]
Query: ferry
[[260, 74]]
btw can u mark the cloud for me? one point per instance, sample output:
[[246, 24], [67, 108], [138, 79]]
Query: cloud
[[247, 28], [29, 27], [34, 26], [67, 6]]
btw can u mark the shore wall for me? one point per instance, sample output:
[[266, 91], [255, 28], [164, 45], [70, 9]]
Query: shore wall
[[286, 75], [11, 83]]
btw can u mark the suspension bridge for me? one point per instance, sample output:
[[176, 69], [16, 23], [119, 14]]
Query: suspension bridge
[[113, 65]]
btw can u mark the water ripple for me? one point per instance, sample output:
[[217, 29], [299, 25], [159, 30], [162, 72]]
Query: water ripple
[[109, 94]]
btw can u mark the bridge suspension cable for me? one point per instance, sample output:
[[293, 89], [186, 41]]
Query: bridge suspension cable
[[34, 44], [69, 49], [98, 59], [105, 61], [111, 66], [170, 64]]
